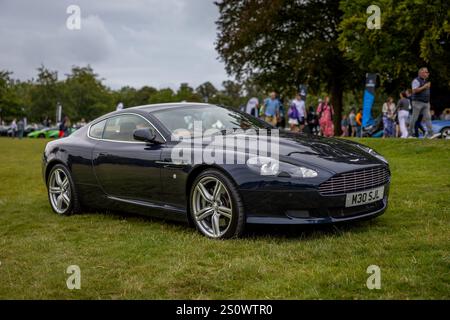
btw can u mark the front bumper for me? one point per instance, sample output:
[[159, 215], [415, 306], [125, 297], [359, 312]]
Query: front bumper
[[305, 207]]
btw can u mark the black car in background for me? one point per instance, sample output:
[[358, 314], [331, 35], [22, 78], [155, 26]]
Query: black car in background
[[4, 130], [125, 161]]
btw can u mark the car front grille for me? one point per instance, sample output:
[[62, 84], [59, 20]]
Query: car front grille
[[355, 181]]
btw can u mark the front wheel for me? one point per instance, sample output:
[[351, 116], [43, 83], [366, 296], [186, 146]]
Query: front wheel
[[445, 133], [61, 191], [216, 207]]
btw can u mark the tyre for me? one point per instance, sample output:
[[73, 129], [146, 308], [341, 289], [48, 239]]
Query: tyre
[[216, 206], [62, 194], [445, 133]]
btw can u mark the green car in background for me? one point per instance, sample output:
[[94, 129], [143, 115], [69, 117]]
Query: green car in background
[[48, 133]]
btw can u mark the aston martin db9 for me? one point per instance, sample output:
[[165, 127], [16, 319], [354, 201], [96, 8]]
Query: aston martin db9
[[144, 160]]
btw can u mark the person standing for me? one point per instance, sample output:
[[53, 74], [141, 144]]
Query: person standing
[[293, 117], [326, 113], [421, 101], [20, 128], [403, 114], [300, 113], [14, 128], [358, 119], [272, 109], [344, 125], [352, 122], [252, 107], [281, 119], [62, 128], [388, 118], [300, 105], [67, 126]]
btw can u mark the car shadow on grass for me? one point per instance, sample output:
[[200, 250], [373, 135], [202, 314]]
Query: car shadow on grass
[[310, 231], [255, 231]]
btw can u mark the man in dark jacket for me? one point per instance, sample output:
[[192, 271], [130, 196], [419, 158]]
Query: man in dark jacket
[[421, 101]]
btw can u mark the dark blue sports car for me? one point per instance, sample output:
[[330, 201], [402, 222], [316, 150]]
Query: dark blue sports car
[[242, 171]]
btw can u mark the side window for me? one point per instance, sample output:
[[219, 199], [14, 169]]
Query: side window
[[121, 128], [96, 130]]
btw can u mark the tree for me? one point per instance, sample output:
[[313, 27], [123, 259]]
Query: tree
[[285, 43], [45, 94], [230, 95], [126, 95], [10, 104], [412, 34], [84, 94], [163, 96], [207, 91], [143, 95], [186, 93]]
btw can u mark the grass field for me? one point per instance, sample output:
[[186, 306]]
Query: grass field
[[130, 257]]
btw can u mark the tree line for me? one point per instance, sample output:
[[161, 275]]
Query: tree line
[[83, 94]]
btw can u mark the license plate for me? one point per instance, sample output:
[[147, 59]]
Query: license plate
[[363, 197]]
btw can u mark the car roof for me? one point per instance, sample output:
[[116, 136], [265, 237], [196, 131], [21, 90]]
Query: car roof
[[166, 106]]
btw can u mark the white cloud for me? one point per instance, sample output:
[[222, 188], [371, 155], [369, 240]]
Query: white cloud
[[153, 42]]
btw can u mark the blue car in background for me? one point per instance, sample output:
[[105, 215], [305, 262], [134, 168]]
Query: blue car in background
[[442, 127]]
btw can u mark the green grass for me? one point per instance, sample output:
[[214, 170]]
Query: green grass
[[129, 257]]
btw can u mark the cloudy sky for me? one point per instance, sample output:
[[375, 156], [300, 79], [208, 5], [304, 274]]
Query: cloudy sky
[[135, 42]]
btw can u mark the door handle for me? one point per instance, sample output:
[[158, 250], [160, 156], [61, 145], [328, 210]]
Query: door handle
[[102, 154]]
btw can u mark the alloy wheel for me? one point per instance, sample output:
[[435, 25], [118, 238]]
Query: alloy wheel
[[212, 207], [59, 191]]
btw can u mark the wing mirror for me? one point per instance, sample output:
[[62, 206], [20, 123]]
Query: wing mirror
[[145, 134]]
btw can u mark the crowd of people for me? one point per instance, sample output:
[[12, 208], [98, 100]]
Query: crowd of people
[[405, 119], [18, 128], [402, 119], [314, 120]]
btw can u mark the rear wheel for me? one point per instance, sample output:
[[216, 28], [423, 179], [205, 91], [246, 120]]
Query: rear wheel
[[61, 191], [216, 206]]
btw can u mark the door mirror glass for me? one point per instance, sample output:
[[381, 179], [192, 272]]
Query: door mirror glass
[[145, 134]]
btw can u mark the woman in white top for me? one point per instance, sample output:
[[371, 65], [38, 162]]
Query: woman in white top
[[403, 114], [301, 111]]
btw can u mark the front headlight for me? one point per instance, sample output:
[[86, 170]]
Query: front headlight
[[266, 166]]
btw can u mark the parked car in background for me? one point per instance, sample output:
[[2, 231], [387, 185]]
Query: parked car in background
[[45, 133], [442, 127], [48, 133], [4, 130], [31, 128]]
